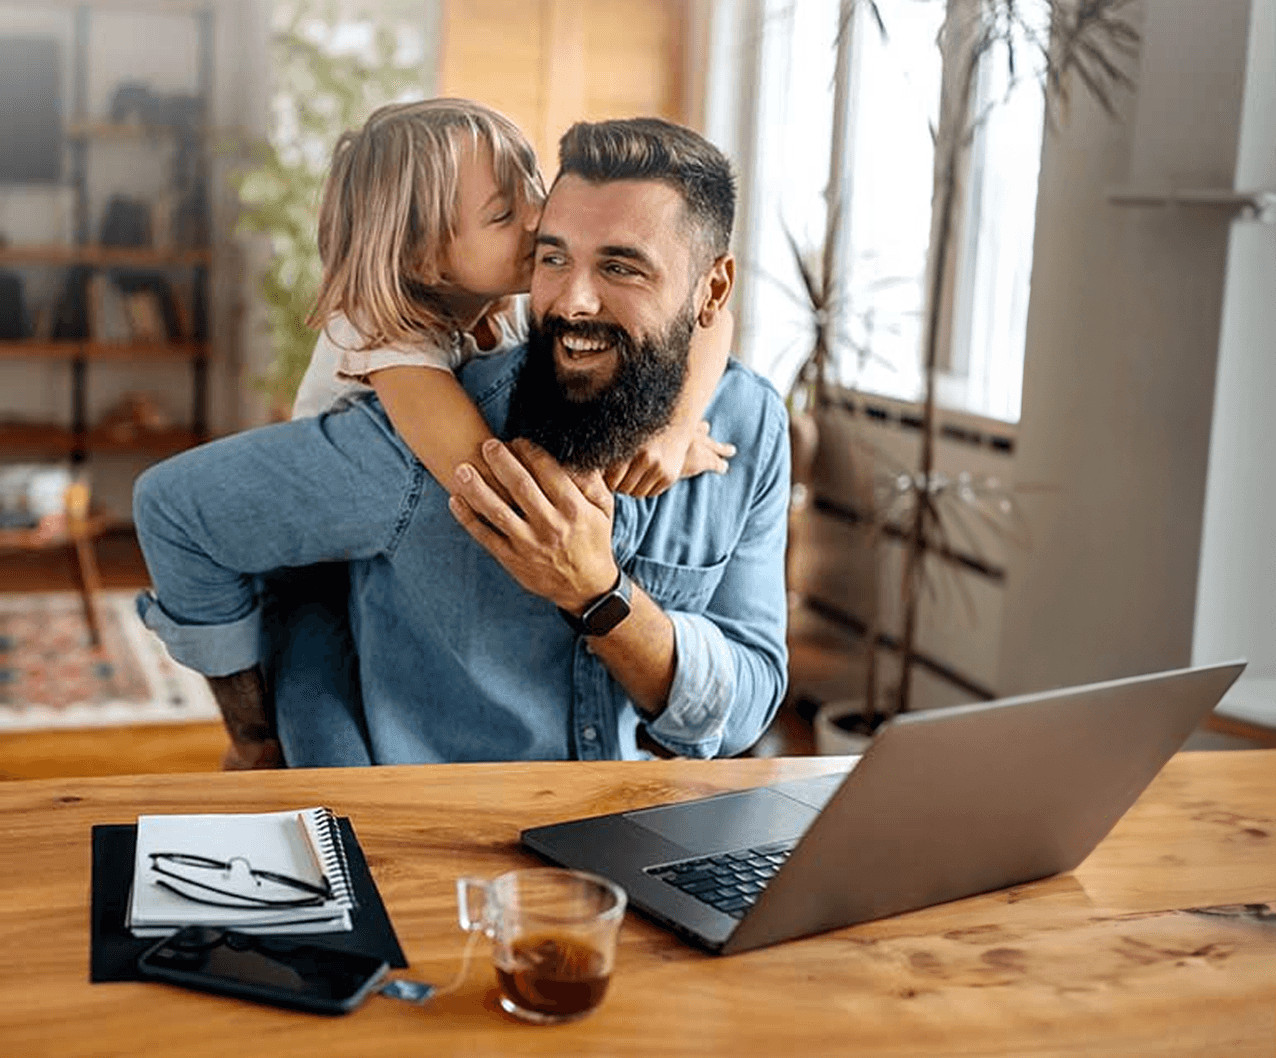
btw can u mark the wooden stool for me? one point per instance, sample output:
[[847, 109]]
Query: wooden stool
[[78, 534]]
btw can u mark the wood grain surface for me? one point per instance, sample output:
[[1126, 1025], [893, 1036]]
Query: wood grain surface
[[1104, 961]]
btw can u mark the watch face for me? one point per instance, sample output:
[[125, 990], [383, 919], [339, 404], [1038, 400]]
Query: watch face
[[606, 615]]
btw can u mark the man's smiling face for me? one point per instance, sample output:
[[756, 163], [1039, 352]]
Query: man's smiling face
[[613, 311], [611, 257]]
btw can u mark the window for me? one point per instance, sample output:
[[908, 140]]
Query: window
[[885, 172]]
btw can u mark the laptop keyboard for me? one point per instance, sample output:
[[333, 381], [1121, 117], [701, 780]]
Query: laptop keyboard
[[729, 881]]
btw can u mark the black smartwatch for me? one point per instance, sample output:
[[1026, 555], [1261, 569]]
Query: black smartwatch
[[605, 612]]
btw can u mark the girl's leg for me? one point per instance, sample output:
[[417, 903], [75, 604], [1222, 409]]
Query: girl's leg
[[212, 520]]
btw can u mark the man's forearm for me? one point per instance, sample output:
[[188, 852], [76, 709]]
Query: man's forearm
[[640, 654]]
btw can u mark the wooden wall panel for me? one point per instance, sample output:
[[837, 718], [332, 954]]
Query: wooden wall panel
[[549, 63], [493, 51], [634, 59]]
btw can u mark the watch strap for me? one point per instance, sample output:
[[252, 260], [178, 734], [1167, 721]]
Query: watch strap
[[604, 612]]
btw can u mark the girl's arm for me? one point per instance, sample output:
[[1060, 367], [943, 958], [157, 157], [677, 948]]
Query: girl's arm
[[684, 448], [435, 417]]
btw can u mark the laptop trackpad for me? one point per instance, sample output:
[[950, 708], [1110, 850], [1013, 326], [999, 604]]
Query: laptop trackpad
[[732, 821]]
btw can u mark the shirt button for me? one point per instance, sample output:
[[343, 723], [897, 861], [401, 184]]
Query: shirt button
[[590, 734]]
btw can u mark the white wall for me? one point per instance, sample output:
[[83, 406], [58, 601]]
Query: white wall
[[1236, 595], [1123, 341]]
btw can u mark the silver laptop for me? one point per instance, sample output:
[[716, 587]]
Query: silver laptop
[[946, 803]]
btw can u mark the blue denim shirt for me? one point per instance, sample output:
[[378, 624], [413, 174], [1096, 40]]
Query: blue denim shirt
[[457, 662], [498, 673]]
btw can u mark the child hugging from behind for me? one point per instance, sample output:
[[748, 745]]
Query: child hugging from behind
[[426, 232]]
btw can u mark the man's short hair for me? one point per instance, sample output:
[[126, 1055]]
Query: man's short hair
[[653, 149]]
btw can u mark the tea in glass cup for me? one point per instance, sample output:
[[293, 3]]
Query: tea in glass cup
[[553, 938]]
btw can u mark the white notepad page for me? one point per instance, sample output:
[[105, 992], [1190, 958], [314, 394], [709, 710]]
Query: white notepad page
[[303, 844]]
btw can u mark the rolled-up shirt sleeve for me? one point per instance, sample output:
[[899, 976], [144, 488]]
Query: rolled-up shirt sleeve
[[731, 669]]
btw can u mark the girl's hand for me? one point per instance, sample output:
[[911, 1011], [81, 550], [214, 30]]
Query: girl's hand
[[669, 455]]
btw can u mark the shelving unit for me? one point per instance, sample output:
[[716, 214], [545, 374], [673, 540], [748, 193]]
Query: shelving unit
[[81, 439]]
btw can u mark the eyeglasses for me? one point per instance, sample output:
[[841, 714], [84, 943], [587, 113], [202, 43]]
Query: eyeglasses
[[235, 879]]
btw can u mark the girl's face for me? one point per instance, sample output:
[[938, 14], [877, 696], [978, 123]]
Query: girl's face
[[492, 251]]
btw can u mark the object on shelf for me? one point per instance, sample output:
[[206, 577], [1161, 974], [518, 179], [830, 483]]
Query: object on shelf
[[36, 494], [108, 312], [136, 103], [154, 316], [126, 222], [134, 415], [145, 316], [71, 313], [13, 310]]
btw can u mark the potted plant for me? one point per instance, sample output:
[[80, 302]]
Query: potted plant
[[1075, 41]]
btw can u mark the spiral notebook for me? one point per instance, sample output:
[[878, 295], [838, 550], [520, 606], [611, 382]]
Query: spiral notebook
[[264, 872]]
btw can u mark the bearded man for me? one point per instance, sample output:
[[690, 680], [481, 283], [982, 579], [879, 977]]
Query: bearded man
[[556, 621]]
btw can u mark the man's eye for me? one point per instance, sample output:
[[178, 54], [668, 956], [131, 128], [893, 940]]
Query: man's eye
[[616, 269], [550, 258]]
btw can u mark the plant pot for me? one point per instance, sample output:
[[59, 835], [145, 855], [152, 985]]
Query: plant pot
[[841, 730]]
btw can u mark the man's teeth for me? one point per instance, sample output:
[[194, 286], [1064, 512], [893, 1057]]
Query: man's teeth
[[584, 345]]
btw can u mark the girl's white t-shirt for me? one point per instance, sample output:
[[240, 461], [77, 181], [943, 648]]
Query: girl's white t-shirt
[[339, 368]]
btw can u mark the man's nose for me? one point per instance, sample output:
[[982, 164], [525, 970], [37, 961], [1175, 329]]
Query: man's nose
[[578, 296]]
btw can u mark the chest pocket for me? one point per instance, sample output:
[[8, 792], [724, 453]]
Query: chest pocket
[[685, 588]]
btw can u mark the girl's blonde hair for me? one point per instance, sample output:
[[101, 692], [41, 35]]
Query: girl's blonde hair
[[388, 212]]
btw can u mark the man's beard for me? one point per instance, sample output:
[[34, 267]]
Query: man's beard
[[593, 432]]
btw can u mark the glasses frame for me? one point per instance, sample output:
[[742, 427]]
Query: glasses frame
[[161, 863]]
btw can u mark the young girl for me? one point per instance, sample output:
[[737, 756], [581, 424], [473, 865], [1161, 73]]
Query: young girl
[[426, 231], [426, 228]]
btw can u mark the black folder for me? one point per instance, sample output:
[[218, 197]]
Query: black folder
[[114, 950]]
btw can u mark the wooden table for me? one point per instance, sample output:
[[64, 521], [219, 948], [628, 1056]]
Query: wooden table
[[1097, 962]]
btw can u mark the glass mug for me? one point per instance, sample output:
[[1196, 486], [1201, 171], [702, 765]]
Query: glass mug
[[553, 938]]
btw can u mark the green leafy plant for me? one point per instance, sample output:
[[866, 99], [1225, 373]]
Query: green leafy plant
[[330, 74]]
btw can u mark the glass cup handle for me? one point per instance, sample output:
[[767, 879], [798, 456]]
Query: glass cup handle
[[472, 893]]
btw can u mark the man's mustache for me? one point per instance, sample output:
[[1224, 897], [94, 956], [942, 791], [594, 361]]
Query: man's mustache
[[590, 330]]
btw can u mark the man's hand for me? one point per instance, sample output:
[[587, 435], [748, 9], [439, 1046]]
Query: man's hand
[[557, 541]]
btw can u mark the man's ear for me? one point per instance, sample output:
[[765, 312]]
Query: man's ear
[[715, 289]]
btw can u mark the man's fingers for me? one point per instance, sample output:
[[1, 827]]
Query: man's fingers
[[487, 504], [559, 488], [480, 530], [522, 478]]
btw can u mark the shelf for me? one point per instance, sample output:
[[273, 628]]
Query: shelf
[[87, 350], [1243, 205], [33, 540], [104, 256], [44, 439], [40, 439], [160, 442], [119, 131]]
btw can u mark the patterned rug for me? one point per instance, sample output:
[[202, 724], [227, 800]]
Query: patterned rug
[[51, 677]]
